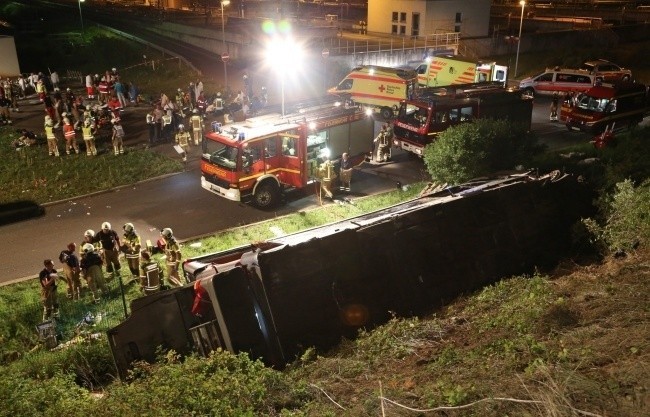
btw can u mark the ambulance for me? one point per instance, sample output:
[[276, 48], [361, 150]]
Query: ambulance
[[377, 88], [443, 70]]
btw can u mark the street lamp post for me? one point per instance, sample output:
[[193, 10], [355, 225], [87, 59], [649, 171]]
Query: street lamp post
[[223, 39], [81, 16], [522, 3]]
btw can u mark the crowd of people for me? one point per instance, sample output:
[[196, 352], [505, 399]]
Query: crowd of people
[[100, 259]]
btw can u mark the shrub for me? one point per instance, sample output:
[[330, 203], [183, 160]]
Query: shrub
[[477, 149], [627, 218]]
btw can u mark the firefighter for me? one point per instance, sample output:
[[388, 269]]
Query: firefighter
[[71, 268], [91, 267], [118, 137], [52, 147], [90, 87], [47, 278], [103, 88], [110, 242], [173, 256], [70, 137], [346, 172], [41, 90], [183, 140], [201, 104], [146, 265], [88, 132], [327, 176], [131, 248], [383, 142], [197, 126]]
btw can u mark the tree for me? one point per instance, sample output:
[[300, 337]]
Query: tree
[[478, 149]]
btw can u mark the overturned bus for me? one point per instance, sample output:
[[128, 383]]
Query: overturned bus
[[276, 298]]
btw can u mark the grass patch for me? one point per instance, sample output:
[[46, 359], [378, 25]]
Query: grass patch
[[30, 174]]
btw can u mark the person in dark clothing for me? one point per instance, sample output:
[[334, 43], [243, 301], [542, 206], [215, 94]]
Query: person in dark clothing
[[71, 268], [47, 278], [110, 242]]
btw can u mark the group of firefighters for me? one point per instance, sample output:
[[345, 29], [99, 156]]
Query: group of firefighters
[[103, 249]]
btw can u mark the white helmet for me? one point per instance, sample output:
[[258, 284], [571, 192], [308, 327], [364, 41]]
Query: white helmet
[[128, 227], [195, 111], [179, 90], [89, 233], [106, 226], [181, 127], [88, 247], [167, 232]]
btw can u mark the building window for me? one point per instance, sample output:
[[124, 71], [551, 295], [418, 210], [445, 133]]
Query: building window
[[402, 30], [402, 17], [395, 16], [394, 30], [457, 28], [459, 17]]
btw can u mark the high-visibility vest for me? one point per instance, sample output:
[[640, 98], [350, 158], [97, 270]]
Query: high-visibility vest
[[49, 132], [167, 120], [183, 138], [87, 132], [68, 131], [196, 122]]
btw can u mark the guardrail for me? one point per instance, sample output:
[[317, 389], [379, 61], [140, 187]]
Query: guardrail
[[370, 43]]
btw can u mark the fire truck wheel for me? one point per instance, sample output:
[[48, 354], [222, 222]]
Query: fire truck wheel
[[267, 195], [386, 113]]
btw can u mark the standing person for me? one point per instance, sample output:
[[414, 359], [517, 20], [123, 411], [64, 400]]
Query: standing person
[[149, 270], [70, 137], [248, 86], [88, 132], [118, 137], [91, 266], [72, 269], [167, 126], [22, 86], [327, 176], [103, 89], [151, 125], [59, 110], [47, 278], [5, 114], [134, 93], [199, 88], [54, 78], [183, 140], [158, 115], [179, 99], [41, 90], [90, 87], [346, 172], [192, 93], [197, 127], [173, 256], [120, 91], [110, 242], [131, 245], [554, 103], [52, 146]]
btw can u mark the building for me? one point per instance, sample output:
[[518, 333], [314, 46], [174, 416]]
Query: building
[[470, 18]]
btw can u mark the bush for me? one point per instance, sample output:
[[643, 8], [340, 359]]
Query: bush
[[472, 150], [627, 218]]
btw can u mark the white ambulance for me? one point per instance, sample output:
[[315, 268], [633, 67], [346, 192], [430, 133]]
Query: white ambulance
[[378, 88]]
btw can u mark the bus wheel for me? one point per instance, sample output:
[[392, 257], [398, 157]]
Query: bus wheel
[[386, 113], [267, 195]]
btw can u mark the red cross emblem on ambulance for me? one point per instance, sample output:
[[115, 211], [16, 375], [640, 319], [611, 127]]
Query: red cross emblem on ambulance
[[382, 88]]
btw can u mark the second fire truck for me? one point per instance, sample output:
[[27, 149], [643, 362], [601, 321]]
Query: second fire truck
[[420, 121]]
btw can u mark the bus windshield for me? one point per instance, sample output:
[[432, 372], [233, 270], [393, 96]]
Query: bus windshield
[[220, 154]]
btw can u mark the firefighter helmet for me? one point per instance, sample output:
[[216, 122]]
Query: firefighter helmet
[[106, 226], [167, 232], [128, 227], [179, 90], [181, 127], [88, 247], [195, 111], [89, 233]]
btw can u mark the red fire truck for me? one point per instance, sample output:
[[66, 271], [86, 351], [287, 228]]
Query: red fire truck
[[605, 107], [259, 158], [420, 121]]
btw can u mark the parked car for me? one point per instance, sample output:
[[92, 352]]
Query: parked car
[[557, 80], [607, 71]]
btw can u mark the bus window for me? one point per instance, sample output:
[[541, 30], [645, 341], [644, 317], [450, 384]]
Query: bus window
[[465, 114], [454, 115]]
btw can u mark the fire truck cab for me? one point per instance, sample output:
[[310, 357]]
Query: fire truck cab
[[420, 121], [259, 158], [605, 107]]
